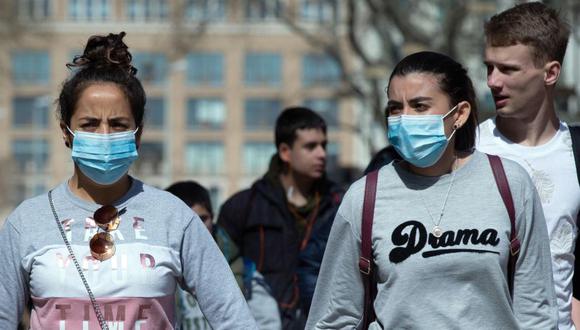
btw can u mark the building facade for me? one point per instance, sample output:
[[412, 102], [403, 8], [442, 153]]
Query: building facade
[[217, 73]]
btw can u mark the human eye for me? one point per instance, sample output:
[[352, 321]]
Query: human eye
[[310, 146], [489, 68], [89, 125], [508, 69], [392, 110], [119, 125], [421, 107]]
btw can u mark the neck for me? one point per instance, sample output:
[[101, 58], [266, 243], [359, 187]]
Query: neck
[[299, 186], [87, 190], [535, 130], [443, 166], [449, 162]]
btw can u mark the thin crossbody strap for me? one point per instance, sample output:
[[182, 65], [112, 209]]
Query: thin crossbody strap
[[506, 195], [365, 262], [78, 266]]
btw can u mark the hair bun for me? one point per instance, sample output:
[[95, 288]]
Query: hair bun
[[103, 51]]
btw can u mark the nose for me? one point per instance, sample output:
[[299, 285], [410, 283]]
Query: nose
[[321, 152], [104, 129], [493, 79]]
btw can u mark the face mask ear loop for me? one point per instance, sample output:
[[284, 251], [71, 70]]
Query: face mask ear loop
[[71, 132], [450, 111], [452, 133]]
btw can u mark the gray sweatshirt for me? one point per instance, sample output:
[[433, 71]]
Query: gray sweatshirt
[[160, 243], [458, 281]]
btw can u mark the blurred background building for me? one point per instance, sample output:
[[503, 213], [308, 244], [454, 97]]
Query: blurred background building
[[218, 72]]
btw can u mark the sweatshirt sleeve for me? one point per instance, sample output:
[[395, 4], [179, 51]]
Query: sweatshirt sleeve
[[207, 274], [338, 297], [534, 298], [13, 287]]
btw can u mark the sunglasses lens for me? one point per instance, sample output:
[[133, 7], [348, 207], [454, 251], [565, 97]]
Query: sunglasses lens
[[102, 246], [105, 214]]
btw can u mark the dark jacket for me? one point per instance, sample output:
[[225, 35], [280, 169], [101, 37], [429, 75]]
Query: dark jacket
[[259, 221]]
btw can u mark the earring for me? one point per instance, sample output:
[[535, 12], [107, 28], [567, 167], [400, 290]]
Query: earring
[[455, 126]]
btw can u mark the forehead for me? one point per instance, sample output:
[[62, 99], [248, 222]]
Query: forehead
[[200, 209], [306, 135], [102, 100], [413, 85], [517, 54]]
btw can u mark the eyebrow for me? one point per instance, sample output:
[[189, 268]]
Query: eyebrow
[[502, 64], [413, 100]]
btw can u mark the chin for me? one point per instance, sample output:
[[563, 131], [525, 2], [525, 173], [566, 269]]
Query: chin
[[505, 112], [317, 175]]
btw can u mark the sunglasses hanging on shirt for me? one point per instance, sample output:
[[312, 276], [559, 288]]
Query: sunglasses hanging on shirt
[[102, 244]]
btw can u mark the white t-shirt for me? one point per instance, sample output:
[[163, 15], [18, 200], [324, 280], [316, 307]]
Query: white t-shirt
[[553, 171]]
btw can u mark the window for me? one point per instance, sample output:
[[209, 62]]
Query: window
[[31, 155], [155, 113], [263, 69], [205, 10], [146, 10], [326, 108], [261, 114], [204, 157], [36, 10], [320, 70], [258, 10], [150, 159], [257, 156], [151, 67], [30, 67], [91, 10], [319, 10], [32, 111], [205, 114], [205, 69]]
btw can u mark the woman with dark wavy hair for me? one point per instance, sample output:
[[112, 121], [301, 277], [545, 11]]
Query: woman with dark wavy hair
[[445, 250], [103, 249]]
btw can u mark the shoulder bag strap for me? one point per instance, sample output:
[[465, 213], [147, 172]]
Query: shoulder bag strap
[[575, 135], [506, 195], [365, 262], [96, 308]]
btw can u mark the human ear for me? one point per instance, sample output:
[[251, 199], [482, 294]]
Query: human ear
[[552, 72], [138, 136], [284, 152], [462, 114], [66, 135]]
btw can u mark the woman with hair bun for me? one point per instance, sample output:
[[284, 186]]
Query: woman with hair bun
[[103, 249]]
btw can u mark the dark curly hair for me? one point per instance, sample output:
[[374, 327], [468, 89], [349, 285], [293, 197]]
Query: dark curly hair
[[106, 59]]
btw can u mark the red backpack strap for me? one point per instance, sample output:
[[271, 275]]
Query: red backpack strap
[[365, 262], [506, 195]]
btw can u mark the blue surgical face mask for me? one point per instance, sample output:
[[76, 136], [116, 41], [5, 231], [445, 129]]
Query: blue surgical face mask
[[104, 158], [419, 139]]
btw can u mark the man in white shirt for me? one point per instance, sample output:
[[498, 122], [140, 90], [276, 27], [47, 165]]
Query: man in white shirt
[[525, 47]]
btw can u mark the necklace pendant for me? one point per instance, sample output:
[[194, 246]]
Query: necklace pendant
[[437, 231]]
